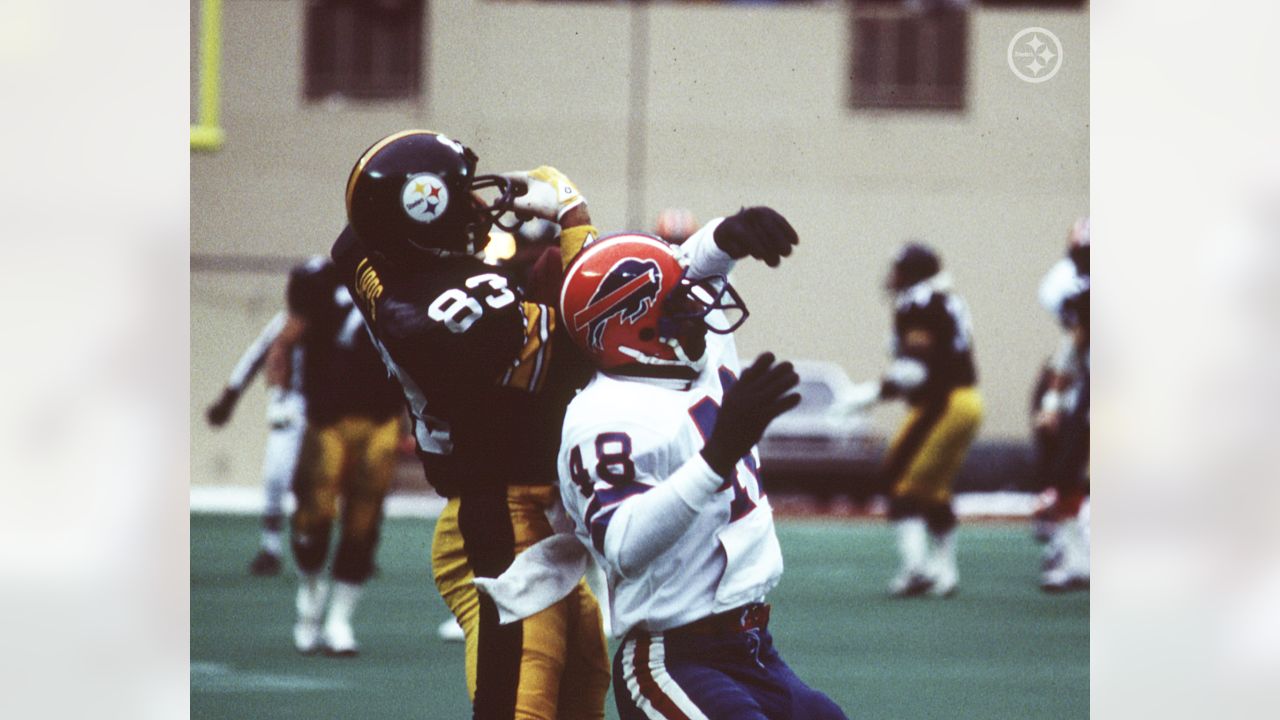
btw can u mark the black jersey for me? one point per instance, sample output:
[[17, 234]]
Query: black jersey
[[486, 372], [342, 374], [949, 361]]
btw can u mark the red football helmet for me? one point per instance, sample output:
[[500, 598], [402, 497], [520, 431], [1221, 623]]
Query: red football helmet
[[675, 225], [1078, 245], [626, 301], [1079, 235]]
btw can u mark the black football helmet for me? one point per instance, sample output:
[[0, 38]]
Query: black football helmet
[[413, 195], [913, 263]]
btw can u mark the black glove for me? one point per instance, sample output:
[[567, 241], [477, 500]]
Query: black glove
[[760, 232], [748, 407], [220, 412]]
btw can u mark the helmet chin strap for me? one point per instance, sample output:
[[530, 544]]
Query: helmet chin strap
[[682, 360]]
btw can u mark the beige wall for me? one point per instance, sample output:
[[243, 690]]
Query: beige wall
[[745, 105]]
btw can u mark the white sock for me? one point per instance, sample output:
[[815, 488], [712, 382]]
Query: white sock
[[913, 543], [942, 560], [1078, 548], [343, 602], [1072, 544], [943, 553], [312, 592]]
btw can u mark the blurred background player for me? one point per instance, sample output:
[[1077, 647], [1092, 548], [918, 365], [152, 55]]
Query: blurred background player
[[286, 423], [1063, 280], [348, 453], [933, 371], [487, 373], [675, 225], [1062, 420], [659, 472], [1070, 274]]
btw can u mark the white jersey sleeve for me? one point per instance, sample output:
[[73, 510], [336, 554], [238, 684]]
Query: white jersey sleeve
[[256, 354], [701, 254]]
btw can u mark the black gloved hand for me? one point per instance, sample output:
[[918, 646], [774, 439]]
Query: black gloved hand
[[760, 232], [748, 407], [220, 412]]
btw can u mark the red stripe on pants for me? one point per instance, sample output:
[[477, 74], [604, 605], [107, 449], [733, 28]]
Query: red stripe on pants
[[649, 687]]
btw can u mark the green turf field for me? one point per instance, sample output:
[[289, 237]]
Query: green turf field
[[999, 649]]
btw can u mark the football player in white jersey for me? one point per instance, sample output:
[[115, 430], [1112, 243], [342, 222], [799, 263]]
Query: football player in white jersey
[[1062, 419], [286, 423], [659, 471], [1070, 275]]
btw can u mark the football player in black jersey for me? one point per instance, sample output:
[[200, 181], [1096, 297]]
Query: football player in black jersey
[[354, 418], [933, 371], [487, 374]]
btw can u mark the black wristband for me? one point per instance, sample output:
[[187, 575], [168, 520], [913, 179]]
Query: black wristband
[[719, 465]]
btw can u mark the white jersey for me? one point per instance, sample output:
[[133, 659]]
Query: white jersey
[[623, 436]]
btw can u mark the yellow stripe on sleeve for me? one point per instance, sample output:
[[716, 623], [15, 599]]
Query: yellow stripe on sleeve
[[573, 239], [529, 370]]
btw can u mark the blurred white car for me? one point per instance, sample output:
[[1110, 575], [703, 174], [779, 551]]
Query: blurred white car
[[813, 449]]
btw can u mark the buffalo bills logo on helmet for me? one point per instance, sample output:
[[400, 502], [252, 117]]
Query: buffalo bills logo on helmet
[[627, 292]]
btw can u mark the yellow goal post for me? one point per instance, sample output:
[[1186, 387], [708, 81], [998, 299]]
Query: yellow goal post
[[207, 134]]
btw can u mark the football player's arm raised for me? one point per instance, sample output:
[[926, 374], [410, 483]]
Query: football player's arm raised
[[250, 363], [633, 517], [759, 232], [550, 195], [493, 331]]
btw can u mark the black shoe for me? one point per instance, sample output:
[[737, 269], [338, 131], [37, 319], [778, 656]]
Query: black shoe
[[913, 585], [265, 564]]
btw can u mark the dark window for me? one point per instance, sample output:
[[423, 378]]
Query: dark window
[[364, 49], [908, 58], [1033, 4]]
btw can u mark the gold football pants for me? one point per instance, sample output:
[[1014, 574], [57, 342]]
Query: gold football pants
[[553, 664], [351, 459], [928, 450]]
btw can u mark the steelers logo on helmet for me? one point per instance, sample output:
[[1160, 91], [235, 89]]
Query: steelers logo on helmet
[[424, 197], [410, 198]]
